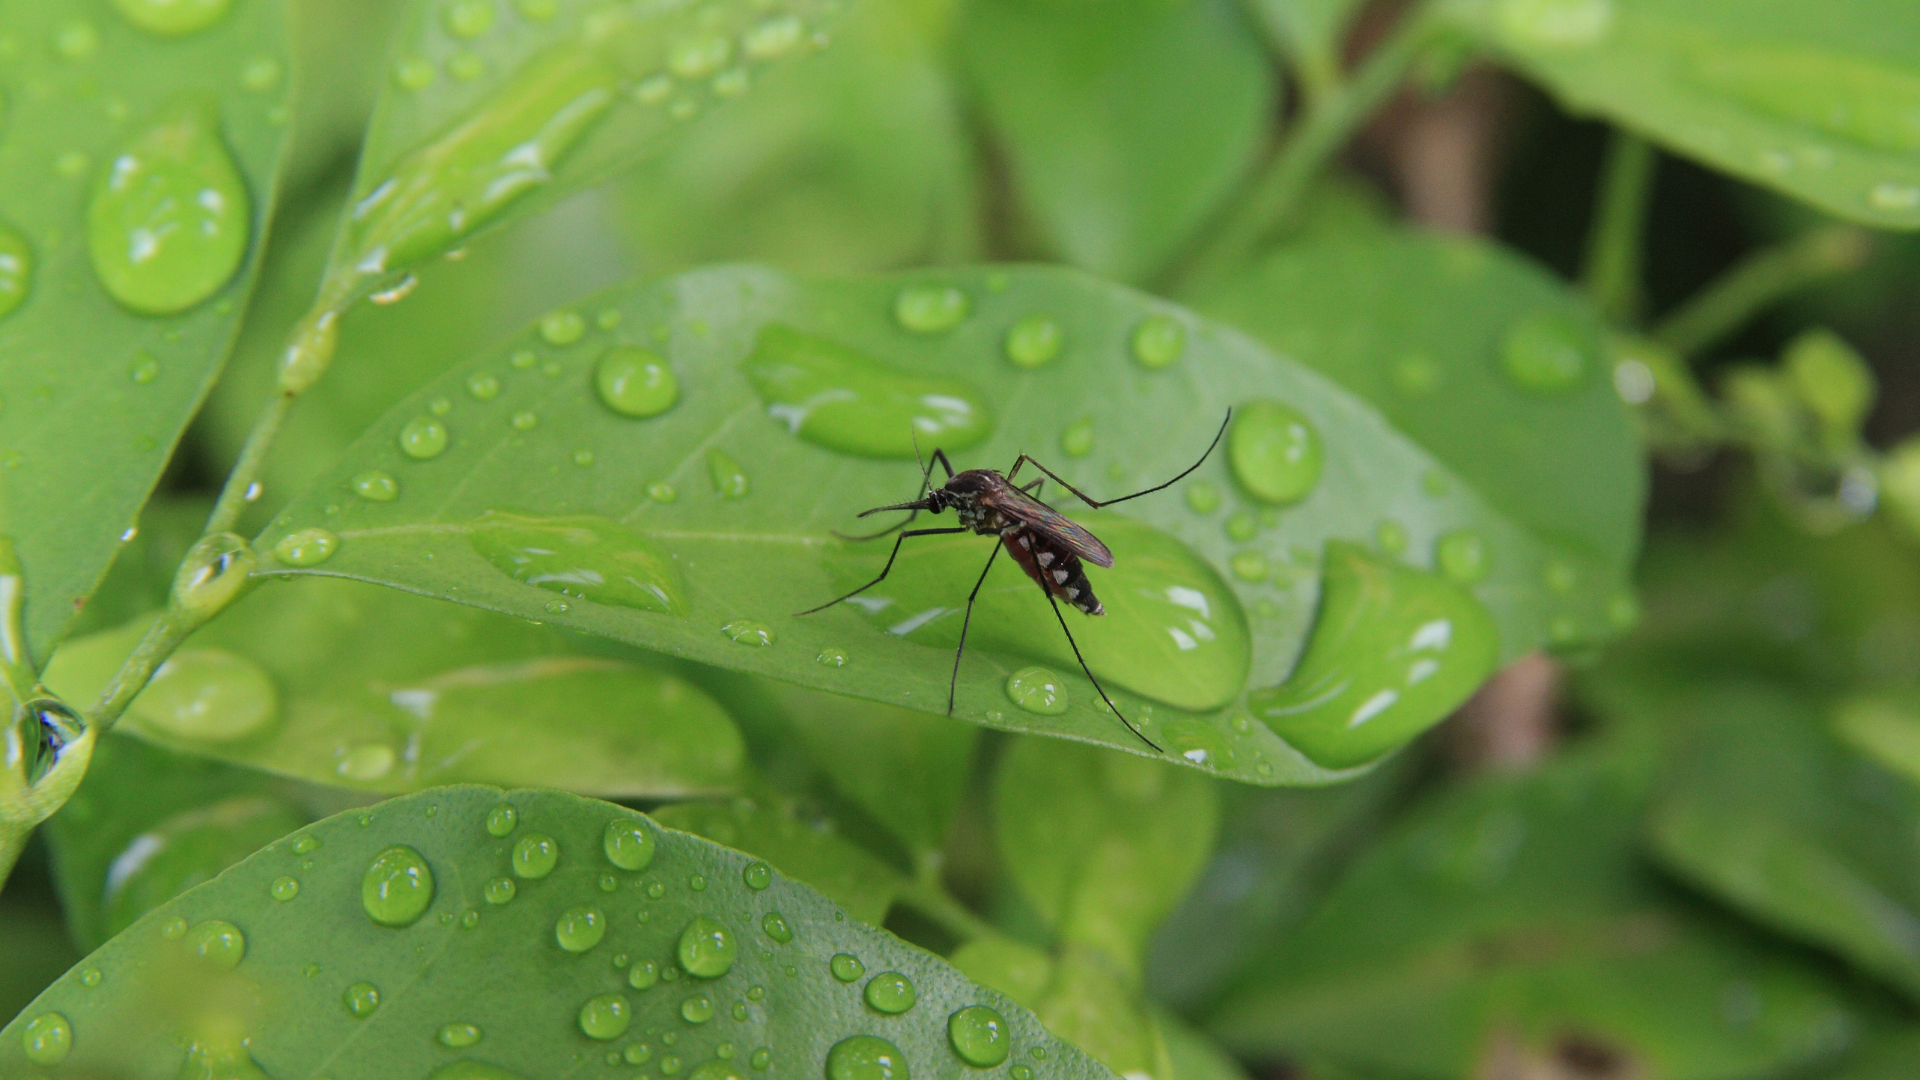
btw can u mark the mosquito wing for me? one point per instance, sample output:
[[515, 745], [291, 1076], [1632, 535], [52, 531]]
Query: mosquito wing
[[1044, 519]]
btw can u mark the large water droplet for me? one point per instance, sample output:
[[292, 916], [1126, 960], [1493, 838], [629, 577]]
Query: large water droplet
[[757, 876], [580, 928], [1547, 352], [707, 949], [1034, 340], [1555, 24], [1037, 690], [729, 479], [748, 632], [361, 999], [48, 1039], [535, 856], [1158, 340], [171, 18], [207, 695], [397, 887], [605, 1017], [589, 558], [635, 382], [1866, 103], [890, 992], [866, 1057], [1275, 452], [835, 397], [212, 574], [423, 439], [169, 218], [16, 269], [1392, 651], [980, 1036], [629, 845], [218, 942], [930, 309], [307, 547]]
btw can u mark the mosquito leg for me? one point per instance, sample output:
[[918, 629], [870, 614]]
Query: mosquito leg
[[895, 527], [941, 457], [1033, 488], [1089, 671], [953, 684], [884, 571], [1098, 503]]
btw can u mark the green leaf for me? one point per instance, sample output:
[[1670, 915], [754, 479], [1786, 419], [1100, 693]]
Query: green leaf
[[1101, 845], [1814, 101], [1440, 334], [459, 979], [692, 567], [485, 123], [147, 825], [1514, 918], [1770, 814], [1193, 1055], [798, 841], [1094, 1003], [35, 945], [142, 573], [340, 683], [1123, 133], [96, 390], [1311, 31], [1889, 1057]]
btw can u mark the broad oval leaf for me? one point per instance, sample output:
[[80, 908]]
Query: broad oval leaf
[[1816, 101], [716, 517], [341, 683], [599, 951], [124, 150]]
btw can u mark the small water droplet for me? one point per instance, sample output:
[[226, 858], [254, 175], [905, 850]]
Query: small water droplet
[[832, 657], [284, 889], [635, 382], [16, 269], [846, 967], [375, 485], [586, 558], [144, 368], [261, 74], [643, 974], [483, 386], [500, 890], [172, 18], [580, 928], [980, 1036], [1020, 1072], [772, 38], [697, 1009], [48, 1039], [1462, 556], [1076, 441], [757, 875], [1037, 690], [775, 927], [423, 438], [365, 761], [1547, 352], [397, 887], [605, 1017], [698, 57], [866, 1057], [760, 1059], [655, 890], [502, 820], [361, 999], [537, 10], [748, 632], [1275, 452], [399, 291], [90, 978], [458, 1035], [629, 845], [469, 18], [307, 547], [525, 420], [1158, 340], [930, 309], [1034, 340], [535, 856], [1391, 536], [1250, 566], [218, 942], [1555, 24], [1203, 498], [729, 479], [890, 992]]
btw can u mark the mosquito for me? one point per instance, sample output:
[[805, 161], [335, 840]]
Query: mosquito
[[1041, 539]]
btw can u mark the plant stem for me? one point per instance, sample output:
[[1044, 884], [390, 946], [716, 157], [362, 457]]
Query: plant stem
[[1329, 122], [1612, 274], [246, 469], [1761, 280], [931, 899]]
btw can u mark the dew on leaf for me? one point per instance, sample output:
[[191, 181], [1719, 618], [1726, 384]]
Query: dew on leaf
[[698, 57], [706, 948], [930, 309], [1894, 197], [1275, 453], [697, 1009], [1546, 352], [775, 927], [1037, 690], [502, 820], [629, 845], [423, 438], [637, 1054], [772, 38], [207, 695], [525, 420], [361, 999], [1249, 566], [588, 558], [375, 485], [846, 967], [1241, 527], [1158, 341], [832, 656], [218, 942], [1462, 556], [1076, 440], [172, 18], [535, 855], [748, 632], [284, 889], [760, 1059], [457, 1035], [1020, 1072], [16, 269], [866, 1057], [537, 10], [1203, 498], [605, 1017], [261, 74], [1034, 340], [397, 887], [757, 875], [306, 547], [729, 479], [580, 928], [169, 220], [834, 397], [469, 18], [890, 992], [643, 974], [662, 492], [482, 386], [636, 382], [47, 1039], [980, 1036], [716, 1069], [500, 890]]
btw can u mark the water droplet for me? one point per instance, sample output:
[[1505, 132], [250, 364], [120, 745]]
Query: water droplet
[[775, 927], [706, 948], [525, 420], [662, 492], [469, 18], [587, 558], [670, 1065], [697, 1009], [1250, 566], [1893, 197], [261, 74], [1158, 340], [16, 269], [397, 887], [169, 219], [843, 400], [748, 632], [376, 486], [1392, 651], [635, 382], [212, 574], [890, 992], [1416, 375], [846, 967], [655, 890], [866, 1057], [980, 1036], [458, 1035], [1555, 24], [628, 844], [832, 657], [307, 547], [284, 889], [930, 309], [398, 292], [729, 479], [1020, 1072], [1275, 452], [580, 928], [218, 942], [760, 1059], [77, 41], [1076, 441], [413, 73], [757, 875], [1034, 340], [483, 386], [174, 929], [361, 999], [48, 1039], [1203, 498], [1546, 352], [506, 147], [171, 18], [1037, 690], [1391, 536], [605, 1017], [90, 978], [643, 974], [365, 761], [731, 83], [502, 820], [207, 695], [423, 438], [698, 57], [535, 855], [1462, 556]]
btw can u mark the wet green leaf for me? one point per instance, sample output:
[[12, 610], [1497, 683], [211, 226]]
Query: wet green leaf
[[734, 514], [35, 945], [1101, 845], [1425, 328], [345, 684], [148, 824], [1771, 814], [109, 124], [1514, 920], [581, 954], [1123, 133], [1822, 103]]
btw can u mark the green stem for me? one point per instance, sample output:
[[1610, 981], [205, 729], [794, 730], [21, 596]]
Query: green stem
[[931, 899], [1761, 280], [1612, 275], [253, 457], [159, 642], [1329, 122]]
